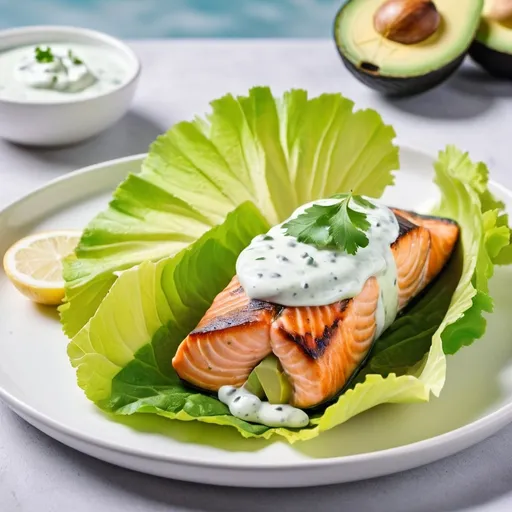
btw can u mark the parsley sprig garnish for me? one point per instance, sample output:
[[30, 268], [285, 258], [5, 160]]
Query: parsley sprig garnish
[[44, 56], [336, 226]]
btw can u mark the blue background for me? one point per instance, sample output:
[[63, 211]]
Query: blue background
[[179, 18]]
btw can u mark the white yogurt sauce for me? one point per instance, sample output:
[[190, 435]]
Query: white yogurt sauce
[[278, 268], [246, 406], [76, 71]]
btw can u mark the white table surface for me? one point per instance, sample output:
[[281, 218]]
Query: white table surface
[[179, 78]]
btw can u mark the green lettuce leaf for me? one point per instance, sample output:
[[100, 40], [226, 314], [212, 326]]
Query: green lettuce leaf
[[275, 152], [399, 372], [485, 235], [164, 300], [124, 364]]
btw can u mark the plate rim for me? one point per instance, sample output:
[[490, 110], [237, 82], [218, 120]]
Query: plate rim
[[462, 434]]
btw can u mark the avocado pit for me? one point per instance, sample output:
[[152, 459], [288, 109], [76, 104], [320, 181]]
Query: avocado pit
[[407, 21]]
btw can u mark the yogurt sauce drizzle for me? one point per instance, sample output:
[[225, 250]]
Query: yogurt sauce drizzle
[[246, 406], [278, 268]]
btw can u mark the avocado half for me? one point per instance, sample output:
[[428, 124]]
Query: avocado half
[[492, 47], [399, 69]]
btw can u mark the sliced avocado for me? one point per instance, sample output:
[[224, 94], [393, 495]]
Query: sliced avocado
[[274, 381], [253, 385], [269, 380], [398, 68], [492, 48]]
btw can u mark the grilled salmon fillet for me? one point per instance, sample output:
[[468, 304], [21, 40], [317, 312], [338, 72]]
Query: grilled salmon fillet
[[229, 341], [319, 347]]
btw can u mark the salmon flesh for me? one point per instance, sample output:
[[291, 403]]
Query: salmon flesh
[[319, 347]]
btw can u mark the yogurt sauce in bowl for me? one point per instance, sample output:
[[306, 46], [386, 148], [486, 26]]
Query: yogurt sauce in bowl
[[60, 72], [62, 85]]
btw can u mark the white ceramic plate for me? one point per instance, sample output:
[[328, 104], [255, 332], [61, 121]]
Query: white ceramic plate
[[38, 383]]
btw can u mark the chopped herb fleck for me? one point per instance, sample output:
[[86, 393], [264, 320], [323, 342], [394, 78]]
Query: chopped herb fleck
[[74, 59], [44, 56], [259, 259]]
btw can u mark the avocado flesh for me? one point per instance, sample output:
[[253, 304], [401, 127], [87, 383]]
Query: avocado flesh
[[495, 34], [253, 385], [370, 52], [269, 380]]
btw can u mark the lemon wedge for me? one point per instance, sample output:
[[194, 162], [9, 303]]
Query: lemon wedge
[[34, 264]]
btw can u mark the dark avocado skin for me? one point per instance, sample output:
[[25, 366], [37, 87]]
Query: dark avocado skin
[[403, 86], [496, 63]]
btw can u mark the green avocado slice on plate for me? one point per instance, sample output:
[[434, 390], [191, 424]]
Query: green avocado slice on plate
[[269, 380]]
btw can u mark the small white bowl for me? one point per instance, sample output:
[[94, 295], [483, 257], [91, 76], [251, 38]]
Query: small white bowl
[[60, 123]]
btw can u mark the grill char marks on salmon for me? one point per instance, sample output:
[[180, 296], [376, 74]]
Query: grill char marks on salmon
[[229, 341], [313, 337], [352, 330], [319, 347]]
